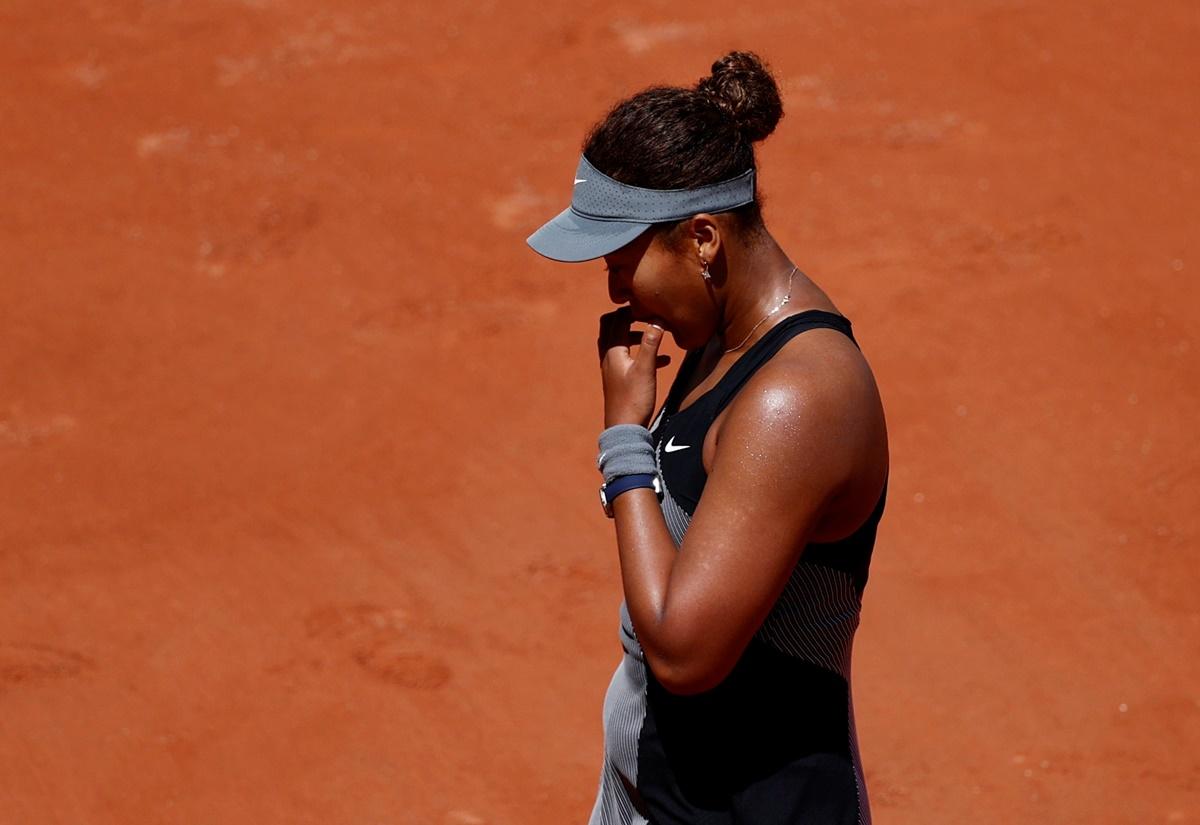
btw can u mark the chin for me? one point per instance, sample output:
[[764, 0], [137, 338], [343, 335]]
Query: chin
[[684, 341]]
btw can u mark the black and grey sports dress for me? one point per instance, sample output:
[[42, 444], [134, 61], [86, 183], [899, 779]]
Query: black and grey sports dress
[[774, 742]]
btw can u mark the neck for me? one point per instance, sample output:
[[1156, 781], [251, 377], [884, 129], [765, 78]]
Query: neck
[[757, 282]]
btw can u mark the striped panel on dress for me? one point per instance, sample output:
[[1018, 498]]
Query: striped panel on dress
[[676, 517], [864, 804], [612, 803], [625, 703], [815, 618], [624, 713]]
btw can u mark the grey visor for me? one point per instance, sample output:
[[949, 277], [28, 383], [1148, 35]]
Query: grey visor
[[604, 214]]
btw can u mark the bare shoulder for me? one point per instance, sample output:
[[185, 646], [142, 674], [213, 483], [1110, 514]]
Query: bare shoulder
[[816, 376], [814, 412]]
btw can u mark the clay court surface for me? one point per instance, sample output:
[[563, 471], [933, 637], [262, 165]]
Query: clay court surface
[[298, 519]]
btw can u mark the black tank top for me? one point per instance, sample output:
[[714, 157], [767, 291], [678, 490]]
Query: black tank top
[[775, 741]]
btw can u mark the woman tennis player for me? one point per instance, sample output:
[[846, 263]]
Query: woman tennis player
[[746, 508]]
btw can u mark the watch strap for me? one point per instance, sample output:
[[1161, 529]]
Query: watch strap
[[624, 484], [610, 490]]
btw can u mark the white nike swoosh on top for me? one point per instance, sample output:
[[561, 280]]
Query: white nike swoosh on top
[[580, 180], [672, 447]]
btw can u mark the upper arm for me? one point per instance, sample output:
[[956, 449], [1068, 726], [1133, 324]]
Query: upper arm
[[785, 449]]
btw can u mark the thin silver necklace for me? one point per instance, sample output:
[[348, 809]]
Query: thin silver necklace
[[778, 307]]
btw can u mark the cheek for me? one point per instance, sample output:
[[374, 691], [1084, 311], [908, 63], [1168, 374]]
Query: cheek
[[693, 322], [673, 290], [706, 320]]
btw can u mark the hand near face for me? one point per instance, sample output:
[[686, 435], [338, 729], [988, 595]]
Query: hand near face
[[628, 377]]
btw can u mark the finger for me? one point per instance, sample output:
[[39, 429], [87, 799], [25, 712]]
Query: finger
[[606, 345], [616, 323], [605, 337], [615, 330], [620, 315], [609, 344], [647, 355]]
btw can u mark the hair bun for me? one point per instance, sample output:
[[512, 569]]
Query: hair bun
[[743, 87]]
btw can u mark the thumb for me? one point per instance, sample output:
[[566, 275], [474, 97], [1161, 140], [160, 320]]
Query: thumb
[[647, 356]]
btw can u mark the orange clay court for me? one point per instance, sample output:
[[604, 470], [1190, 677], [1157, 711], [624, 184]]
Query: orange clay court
[[298, 517]]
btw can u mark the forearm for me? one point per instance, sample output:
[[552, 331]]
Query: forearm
[[667, 634], [647, 554]]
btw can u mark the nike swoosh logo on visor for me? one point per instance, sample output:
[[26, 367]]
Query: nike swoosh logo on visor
[[580, 180], [672, 447]]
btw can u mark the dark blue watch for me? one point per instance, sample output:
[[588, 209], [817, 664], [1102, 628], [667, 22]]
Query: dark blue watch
[[614, 488]]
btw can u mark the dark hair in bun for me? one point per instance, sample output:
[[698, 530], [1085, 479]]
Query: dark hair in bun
[[674, 138], [741, 85]]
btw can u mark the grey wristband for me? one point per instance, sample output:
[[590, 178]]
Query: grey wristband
[[626, 449]]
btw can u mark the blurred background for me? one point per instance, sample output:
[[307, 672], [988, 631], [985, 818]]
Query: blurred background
[[298, 519]]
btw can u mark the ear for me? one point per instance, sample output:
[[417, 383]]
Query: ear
[[704, 233]]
